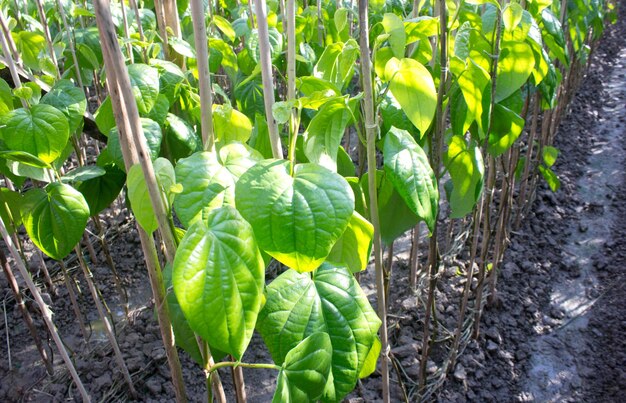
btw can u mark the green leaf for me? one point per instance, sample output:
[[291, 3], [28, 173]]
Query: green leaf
[[230, 124], [515, 65], [70, 100], [10, 203], [170, 78], [181, 47], [179, 140], [394, 27], [408, 169], [6, 98], [512, 16], [101, 191], [369, 366], [166, 179], [105, 120], [218, 280], [550, 154], [550, 177], [473, 82], [395, 216], [505, 129], [305, 371], [465, 165], [336, 63], [184, 336], [144, 81], [332, 302], [41, 130], [83, 173], [30, 45], [324, 133], [345, 166], [355, 245], [24, 158], [140, 201], [152, 133], [224, 26], [414, 89], [160, 110], [55, 218], [298, 219]]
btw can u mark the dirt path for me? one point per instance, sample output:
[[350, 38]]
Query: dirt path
[[560, 335]]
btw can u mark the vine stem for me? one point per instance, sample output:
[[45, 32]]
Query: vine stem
[[45, 311], [202, 53], [236, 364], [266, 75], [371, 129]]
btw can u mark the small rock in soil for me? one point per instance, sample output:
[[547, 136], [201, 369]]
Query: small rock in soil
[[459, 373]]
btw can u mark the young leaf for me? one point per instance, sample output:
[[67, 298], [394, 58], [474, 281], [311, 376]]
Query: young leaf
[[144, 81], [298, 219], [208, 183], [332, 302], [515, 64], [550, 177], [355, 245], [408, 169], [230, 124], [394, 27], [10, 203], [218, 280], [41, 130], [305, 371], [140, 200], [70, 100], [465, 164], [55, 218], [324, 133], [505, 129], [414, 89], [550, 154]]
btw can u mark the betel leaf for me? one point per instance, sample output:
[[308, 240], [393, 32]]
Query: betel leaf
[[6, 98], [24, 158], [305, 372], [218, 280], [70, 100], [170, 78], [553, 181], [101, 191], [208, 180], [10, 203], [230, 124], [414, 89], [55, 218], [179, 139], [144, 82], [465, 165], [394, 27], [30, 45], [298, 219], [332, 302], [505, 129], [152, 133], [395, 216], [355, 245], [324, 133], [184, 336], [41, 130], [515, 65], [83, 173], [512, 16], [140, 201], [550, 154], [105, 120], [408, 169]]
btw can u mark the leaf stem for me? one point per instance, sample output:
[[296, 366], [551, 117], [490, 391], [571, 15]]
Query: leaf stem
[[235, 364]]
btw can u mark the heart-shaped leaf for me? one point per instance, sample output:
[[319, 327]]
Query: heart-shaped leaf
[[100, 192], [218, 280], [332, 302], [144, 81], [55, 218], [305, 370], [209, 183], [140, 201], [515, 64], [298, 219], [70, 100], [41, 130], [408, 169]]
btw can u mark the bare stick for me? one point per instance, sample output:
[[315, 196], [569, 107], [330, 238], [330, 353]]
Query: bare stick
[[266, 75], [142, 37], [9, 59], [46, 32], [73, 300], [70, 41], [371, 129], [45, 311], [202, 58]]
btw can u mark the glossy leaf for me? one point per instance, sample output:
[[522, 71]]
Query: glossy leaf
[[298, 219], [140, 199], [152, 133], [332, 302], [305, 371], [414, 89], [515, 64], [408, 169], [41, 130], [101, 191], [179, 139], [465, 165], [324, 133], [354, 247], [55, 218], [70, 100], [230, 124], [218, 277], [144, 81]]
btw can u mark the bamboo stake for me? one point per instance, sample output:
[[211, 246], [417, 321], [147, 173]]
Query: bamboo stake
[[25, 314], [266, 74], [436, 146], [46, 31], [204, 78], [45, 311], [372, 132], [112, 55]]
